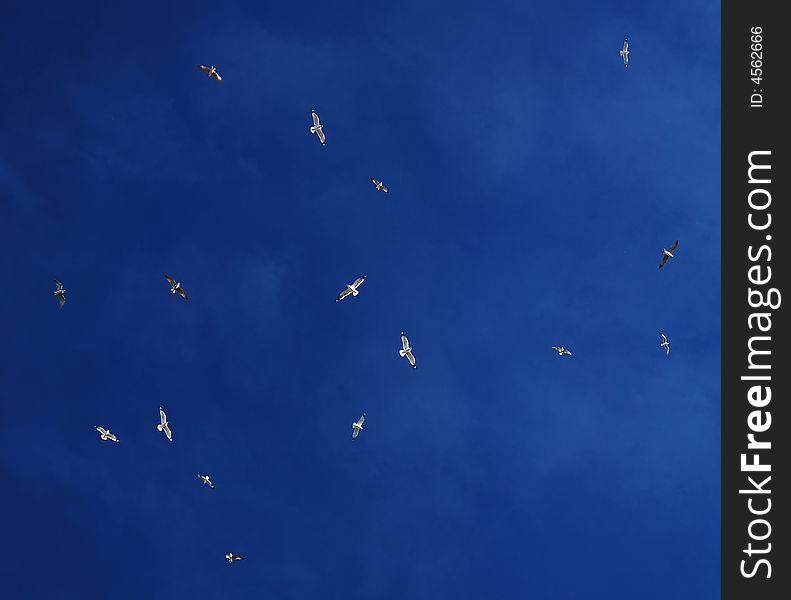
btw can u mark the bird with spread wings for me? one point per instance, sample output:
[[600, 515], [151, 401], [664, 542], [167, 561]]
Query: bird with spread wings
[[60, 293], [317, 127], [351, 288], [175, 287], [665, 344], [357, 427], [625, 53], [668, 253], [210, 71], [406, 350], [106, 434], [164, 425], [379, 185]]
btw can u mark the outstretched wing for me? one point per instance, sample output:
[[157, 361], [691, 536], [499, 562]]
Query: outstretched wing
[[404, 341], [411, 358], [168, 432], [358, 282], [556, 348], [316, 121], [183, 293], [343, 294], [163, 418], [375, 182], [664, 260], [101, 430], [625, 46], [58, 284], [384, 188], [673, 247], [62, 299], [664, 338], [204, 68], [322, 138], [112, 437], [216, 75], [171, 281]]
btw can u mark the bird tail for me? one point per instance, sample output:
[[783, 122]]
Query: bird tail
[[355, 292], [402, 352], [312, 129]]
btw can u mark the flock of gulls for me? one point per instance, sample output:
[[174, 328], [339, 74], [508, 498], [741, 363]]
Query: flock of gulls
[[351, 289]]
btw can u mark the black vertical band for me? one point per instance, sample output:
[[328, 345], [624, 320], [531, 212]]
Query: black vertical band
[[756, 542]]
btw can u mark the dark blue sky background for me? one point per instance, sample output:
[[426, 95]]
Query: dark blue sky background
[[533, 183]]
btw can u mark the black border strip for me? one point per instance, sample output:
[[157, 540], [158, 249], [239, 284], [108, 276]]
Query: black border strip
[[752, 112]]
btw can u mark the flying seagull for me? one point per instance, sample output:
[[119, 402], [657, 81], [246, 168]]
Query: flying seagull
[[665, 344], [206, 479], [561, 350], [164, 425], [317, 127], [625, 53], [407, 350], [232, 557], [106, 434], [211, 71], [60, 293], [379, 185], [175, 286], [667, 254], [351, 289], [357, 427]]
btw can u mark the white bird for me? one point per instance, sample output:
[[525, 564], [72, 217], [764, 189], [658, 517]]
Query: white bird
[[211, 71], [406, 350], [60, 293], [206, 479], [164, 425], [317, 127], [561, 350], [175, 286], [379, 185], [665, 344], [106, 434], [668, 253], [357, 427], [232, 557], [625, 53], [351, 289]]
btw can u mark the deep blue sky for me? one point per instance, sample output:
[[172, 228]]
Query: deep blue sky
[[534, 181]]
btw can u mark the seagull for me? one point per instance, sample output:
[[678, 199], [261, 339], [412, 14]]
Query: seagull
[[665, 344], [625, 53], [232, 557], [164, 425], [211, 71], [317, 128], [561, 350], [60, 293], [175, 286], [407, 350], [379, 185], [351, 289], [205, 479], [106, 434], [667, 254], [357, 427]]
